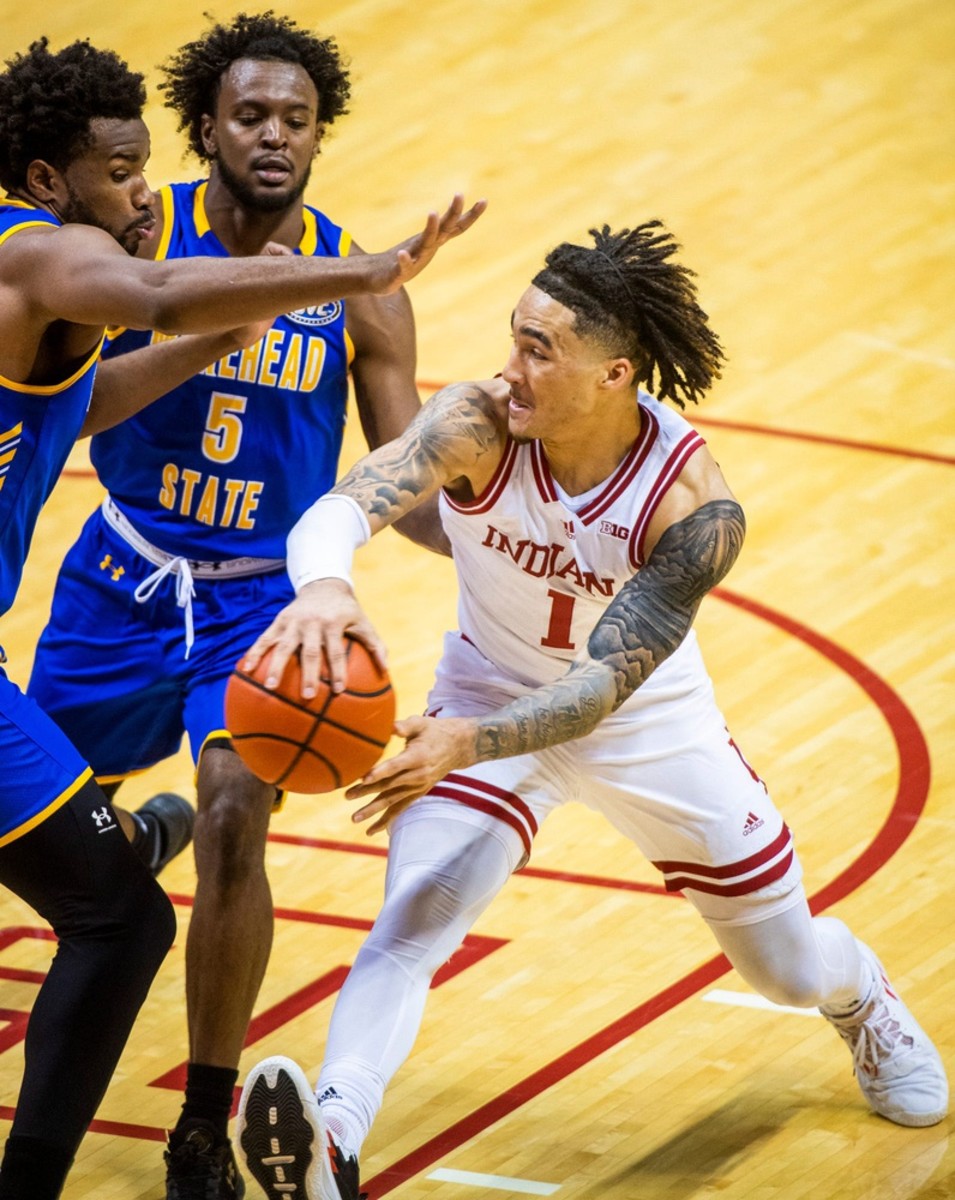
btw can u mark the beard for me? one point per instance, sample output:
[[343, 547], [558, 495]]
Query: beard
[[78, 212], [261, 202]]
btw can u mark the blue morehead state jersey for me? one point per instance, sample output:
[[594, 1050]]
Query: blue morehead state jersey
[[224, 465], [38, 426]]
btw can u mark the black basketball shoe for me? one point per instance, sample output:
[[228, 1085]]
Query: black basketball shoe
[[200, 1165], [166, 822]]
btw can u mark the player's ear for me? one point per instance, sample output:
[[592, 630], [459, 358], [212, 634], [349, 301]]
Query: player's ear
[[618, 373], [46, 184], [207, 133]]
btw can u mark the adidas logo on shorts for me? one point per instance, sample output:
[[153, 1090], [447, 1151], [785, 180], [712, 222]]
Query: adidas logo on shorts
[[751, 824]]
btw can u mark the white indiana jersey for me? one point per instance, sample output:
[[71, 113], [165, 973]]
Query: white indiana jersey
[[536, 570]]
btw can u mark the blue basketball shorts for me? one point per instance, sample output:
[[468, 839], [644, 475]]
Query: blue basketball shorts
[[41, 769], [113, 672]]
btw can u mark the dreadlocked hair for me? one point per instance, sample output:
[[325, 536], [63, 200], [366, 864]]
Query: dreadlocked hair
[[628, 296], [47, 102], [194, 73]]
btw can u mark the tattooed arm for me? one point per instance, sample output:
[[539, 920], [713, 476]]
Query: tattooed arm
[[644, 624], [455, 440]]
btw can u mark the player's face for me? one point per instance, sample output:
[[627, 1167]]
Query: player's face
[[264, 133], [105, 185], [553, 374]]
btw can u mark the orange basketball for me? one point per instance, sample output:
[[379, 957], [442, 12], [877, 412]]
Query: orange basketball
[[314, 745]]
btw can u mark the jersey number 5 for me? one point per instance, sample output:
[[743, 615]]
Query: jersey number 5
[[223, 434]]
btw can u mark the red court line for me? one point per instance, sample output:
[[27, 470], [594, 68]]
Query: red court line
[[909, 801], [604, 881], [798, 435]]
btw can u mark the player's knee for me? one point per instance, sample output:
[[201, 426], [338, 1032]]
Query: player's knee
[[154, 924], [229, 836], [131, 922], [425, 918], [791, 985]]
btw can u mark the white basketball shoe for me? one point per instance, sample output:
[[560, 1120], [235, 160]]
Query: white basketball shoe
[[284, 1140], [897, 1067]]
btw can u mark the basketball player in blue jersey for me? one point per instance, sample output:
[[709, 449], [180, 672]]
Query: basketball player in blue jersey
[[77, 207], [185, 562]]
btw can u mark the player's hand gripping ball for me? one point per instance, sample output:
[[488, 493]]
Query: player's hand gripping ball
[[314, 745]]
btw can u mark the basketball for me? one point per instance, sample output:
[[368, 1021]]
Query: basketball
[[314, 745]]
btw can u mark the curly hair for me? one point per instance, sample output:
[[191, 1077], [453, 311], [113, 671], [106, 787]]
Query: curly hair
[[194, 73], [627, 296], [47, 102]]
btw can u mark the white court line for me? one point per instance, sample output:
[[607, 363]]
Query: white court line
[[746, 1000], [500, 1183], [934, 360]]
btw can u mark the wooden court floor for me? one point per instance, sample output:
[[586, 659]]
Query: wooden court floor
[[587, 1042]]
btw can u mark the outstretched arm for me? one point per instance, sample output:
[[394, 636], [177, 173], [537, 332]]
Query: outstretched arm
[[79, 274], [646, 621]]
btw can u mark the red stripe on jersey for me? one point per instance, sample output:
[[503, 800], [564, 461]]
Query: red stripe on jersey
[[488, 808], [495, 802], [488, 498], [625, 473], [542, 475], [759, 859], [679, 457], [496, 793], [680, 883]]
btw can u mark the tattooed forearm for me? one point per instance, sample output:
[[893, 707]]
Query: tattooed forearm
[[652, 614], [450, 434], [569, 708], [644, 624]]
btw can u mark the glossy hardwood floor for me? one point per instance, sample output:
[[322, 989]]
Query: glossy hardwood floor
[[588, 1043]]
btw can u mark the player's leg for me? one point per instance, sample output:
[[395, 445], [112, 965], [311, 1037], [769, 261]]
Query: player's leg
[[681, 789], [442, 873], [448, 856], [114, 926], [230, 929], [795, 959], [99, 671]]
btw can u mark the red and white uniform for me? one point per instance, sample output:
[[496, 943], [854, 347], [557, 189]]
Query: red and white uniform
[[536, 570]]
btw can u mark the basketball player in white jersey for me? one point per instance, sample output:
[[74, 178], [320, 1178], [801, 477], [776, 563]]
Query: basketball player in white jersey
[[588, 521]]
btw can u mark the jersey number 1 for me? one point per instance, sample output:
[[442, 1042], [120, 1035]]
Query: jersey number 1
[[561, 620]]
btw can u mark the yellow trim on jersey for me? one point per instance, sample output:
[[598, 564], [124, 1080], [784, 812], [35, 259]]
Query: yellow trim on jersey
[[8, 457], [168, 219], [344, 249], [14, 431], [199, 218], [50, 389], [24, 225], [101, 779], [308, 243], [280, 795], [50, 809]]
